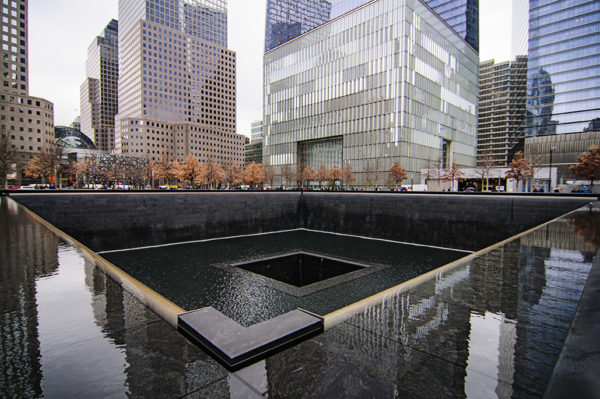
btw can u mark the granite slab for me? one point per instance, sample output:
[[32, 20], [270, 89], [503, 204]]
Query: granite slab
[[236, 346]]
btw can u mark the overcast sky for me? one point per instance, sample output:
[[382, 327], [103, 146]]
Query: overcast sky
[[60, 32]]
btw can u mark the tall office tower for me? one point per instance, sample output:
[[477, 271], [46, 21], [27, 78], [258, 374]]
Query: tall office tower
[[288, 19], [501, 119], [28, 121], [387, 82], [462, 15], [176, 81], [563, 87], [99, 99], [520, 28]]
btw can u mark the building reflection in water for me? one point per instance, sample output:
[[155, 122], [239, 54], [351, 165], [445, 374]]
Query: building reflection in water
[[498, 323], [28, 251]]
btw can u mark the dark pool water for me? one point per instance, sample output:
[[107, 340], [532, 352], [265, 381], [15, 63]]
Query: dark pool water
[[195, 275]]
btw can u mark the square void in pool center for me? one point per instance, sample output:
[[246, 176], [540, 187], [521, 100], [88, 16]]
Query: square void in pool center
[[300, 268]]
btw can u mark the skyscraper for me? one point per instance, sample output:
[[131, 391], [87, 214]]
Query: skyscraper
[[461, 15], [563, 87], [99, 98], [288, 19], [501, 118], [28, 121], [177, 81]]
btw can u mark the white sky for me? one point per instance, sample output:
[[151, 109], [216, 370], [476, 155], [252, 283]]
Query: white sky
[[60, 32]]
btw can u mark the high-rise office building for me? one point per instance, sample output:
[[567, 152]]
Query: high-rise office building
[[28, 121], [176, 82], [387, 82], [288, 19], [564, 67], [461, 15], [501, 119], [99, 98]]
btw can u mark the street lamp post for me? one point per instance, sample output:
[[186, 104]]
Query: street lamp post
[[550, 170]]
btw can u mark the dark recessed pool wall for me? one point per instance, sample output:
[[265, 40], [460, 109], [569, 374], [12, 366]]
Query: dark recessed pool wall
[[106, 221]]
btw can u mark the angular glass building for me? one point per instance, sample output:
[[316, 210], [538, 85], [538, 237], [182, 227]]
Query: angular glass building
[[388, 82], [563, 86]]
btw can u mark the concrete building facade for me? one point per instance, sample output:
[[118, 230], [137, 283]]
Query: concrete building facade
[[388, 82], [99, 91], [28, 121], [501, 118], [177, 82]]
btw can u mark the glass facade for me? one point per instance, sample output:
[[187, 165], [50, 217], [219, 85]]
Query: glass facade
[[563, 86], [288, 19], [392, 79], [462, 15]]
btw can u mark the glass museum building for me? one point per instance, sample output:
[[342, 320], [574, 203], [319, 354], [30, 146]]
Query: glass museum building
[[388, 82]]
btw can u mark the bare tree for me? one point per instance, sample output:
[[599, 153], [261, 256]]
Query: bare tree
[[287, 173], [8, 158], [486, 162], [452, 173], [370, 176], [347, 174], [269, 175]]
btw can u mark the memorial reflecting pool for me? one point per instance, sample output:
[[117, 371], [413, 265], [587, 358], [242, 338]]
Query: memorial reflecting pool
[[490, 327], [195, 275]]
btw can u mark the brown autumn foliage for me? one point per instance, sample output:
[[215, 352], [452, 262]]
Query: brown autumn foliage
[[588, 164], [191, 171], [322, 174], [519, 169], [234, 174], [254, 174], [335, 174], [215, 174], [397, 173], [8, 157], [308, 174]]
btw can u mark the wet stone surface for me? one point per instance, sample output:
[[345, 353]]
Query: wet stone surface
[[493, 327]]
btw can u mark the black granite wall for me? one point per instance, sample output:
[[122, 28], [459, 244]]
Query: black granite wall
[[456, 221], [105, 221]]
